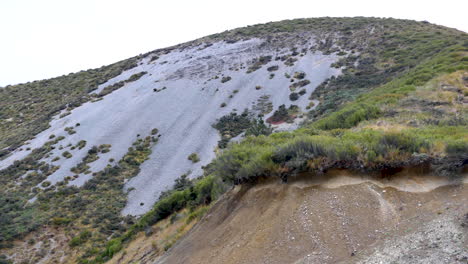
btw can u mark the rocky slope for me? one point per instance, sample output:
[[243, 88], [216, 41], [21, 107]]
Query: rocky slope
[[181, 96]]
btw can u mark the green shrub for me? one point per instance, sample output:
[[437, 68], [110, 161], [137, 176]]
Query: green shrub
[[299, 75], [80, 239], [193, 157], [273, 68], [293, 96], [197, 214], [81, 144], [258, 63], [348, 117], [457, 148], [298, 84], [225, 79]]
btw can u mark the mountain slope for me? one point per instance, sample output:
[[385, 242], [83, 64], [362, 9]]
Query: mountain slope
[[371, 95]]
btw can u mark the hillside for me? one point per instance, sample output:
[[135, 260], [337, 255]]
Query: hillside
[[97, 158]]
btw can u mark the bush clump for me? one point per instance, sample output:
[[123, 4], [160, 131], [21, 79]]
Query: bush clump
[[349, 117], [293, 96], [273, 68], [298, 84], [67, 154], [258, 63], [193, 157], [225, 79]]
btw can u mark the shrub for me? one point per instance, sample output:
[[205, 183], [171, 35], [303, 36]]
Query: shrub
[[298, 84], [45, 184], [223, 105], [258, 63], [80, 239], [282, 114], [299, 75], [193, 157], [293, 96], [81, 144], [349, 116], [273, 68], [197, 214], [457, 148], [67, 154], [225, 79], [258, 127], [310, 105]]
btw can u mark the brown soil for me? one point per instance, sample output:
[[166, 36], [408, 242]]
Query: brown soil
[[344, 219]]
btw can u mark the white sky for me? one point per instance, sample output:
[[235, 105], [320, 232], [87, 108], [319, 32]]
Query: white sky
[[47, 38]]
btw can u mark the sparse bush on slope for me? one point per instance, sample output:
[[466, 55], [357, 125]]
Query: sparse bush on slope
[[50, 97], [349, 117]]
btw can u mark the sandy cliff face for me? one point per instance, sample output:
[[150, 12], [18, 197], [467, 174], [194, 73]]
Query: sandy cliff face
[[346, 219]]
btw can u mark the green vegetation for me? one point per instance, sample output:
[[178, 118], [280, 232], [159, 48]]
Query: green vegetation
[[299, 75], [258, 63], [81, 144], [283, 115], [92, 209], [273, 68], [200, 192], [298, 84], [32, 105], [349, 116], [80, 239], [193, 158], [67, 154], [225, 79], [70, 130], [231, 125], [109, 89], [293, 96]]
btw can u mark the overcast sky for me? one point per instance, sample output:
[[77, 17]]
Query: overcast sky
[[47, 38]]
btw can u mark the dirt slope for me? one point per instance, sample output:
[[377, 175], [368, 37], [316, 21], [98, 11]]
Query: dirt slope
[[343, 219]]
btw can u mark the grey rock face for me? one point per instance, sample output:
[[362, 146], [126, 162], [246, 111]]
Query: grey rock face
[[180, 96]]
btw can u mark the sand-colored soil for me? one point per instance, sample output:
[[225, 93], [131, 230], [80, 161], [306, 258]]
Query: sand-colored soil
[[348, 219]]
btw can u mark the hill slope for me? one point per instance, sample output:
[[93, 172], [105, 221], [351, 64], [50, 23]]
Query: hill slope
[[369, 95]]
